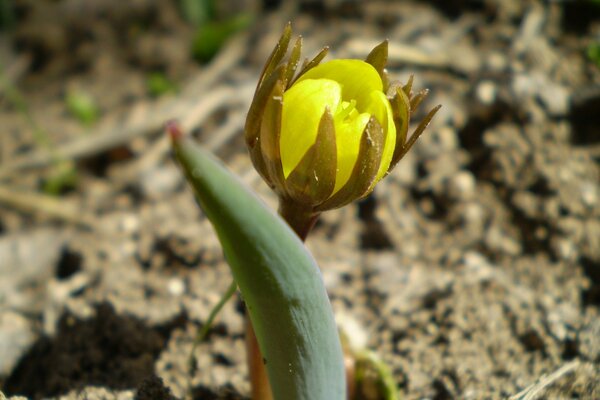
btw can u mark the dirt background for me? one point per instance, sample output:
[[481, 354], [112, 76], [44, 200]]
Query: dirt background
[[473, 270]]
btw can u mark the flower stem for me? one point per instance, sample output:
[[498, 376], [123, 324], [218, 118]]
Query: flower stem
[[300, 218]]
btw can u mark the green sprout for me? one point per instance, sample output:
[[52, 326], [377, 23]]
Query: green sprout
[[212, 29], [62, 174], [158, 84], [593, 52], [212, 35], [82, 106], [62, 177], [321, 136]]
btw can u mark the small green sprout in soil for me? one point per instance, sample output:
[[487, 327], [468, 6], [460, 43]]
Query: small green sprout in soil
[[593, 52], [158, 84], [82, 106]]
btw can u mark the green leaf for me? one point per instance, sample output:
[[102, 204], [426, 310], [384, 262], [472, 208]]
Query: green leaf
[[278, 278]]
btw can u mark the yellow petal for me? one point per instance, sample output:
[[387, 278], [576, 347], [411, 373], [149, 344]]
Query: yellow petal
[[303, 106], [380, 108], [348, 132], [356, 77]]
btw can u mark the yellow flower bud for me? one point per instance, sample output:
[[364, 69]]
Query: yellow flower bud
[[326, 135], [351, 101]]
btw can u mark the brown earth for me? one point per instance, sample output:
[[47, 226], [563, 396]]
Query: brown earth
[[473, 270]]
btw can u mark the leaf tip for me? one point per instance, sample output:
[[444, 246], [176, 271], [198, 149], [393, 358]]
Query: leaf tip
[[174, 130]]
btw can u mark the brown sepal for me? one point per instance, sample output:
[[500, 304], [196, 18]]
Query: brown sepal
[[408, 87], [413, 138], [312, 181], [277, 54], [417, 99], [292, 63], [259, 163], [401, 111], [308, 65], [378, 58], [365, 169], [270, 134], [256, 111]]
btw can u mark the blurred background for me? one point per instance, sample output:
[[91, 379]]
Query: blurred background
[[473, 270]]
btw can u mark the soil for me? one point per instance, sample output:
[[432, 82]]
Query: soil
[[473, 270], [107, 349]]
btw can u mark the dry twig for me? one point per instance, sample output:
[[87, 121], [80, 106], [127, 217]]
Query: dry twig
[[535, 390], [197, 95], [30, 201]]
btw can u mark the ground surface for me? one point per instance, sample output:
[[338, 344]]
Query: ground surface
[[473, 270]]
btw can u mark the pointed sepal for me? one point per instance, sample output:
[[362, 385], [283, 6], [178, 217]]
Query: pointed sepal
[[277, 54], [255, 113], [416, 101], [292, 63], [413, 138], [378, 58], [308, 65], [401, 112], [365, 169], [407, 88], [313, 179], [270, 136]]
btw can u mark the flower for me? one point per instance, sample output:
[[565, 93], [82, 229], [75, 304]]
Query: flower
[[351, 103], [326, 135]]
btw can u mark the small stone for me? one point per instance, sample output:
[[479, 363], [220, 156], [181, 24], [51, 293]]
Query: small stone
[[98, 393], [469, 60], [477, 267], [159, 182], [16, 336], [3, 397], [588, 339], [461, 185], [565, 248], [555, 98], [447, 138], [486, 92], [499, 240], [561, 319], [589, 193], [176, 287], [474, 213], [130, 223], [496, 61]]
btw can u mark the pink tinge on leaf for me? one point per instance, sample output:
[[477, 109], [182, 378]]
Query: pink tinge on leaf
[[174, 130]]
